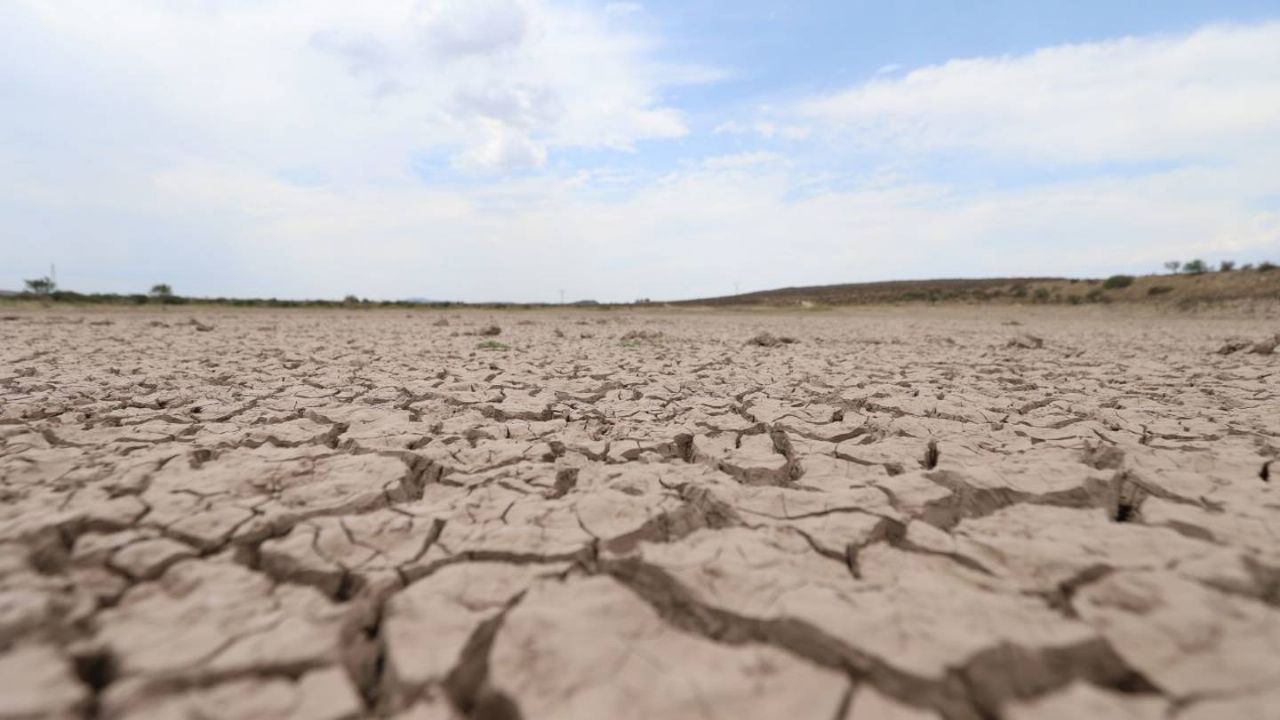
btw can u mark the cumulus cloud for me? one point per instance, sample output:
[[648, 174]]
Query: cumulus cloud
[[1198, 96], [472, 27], [295, 81], [520, 106], [506, 147]]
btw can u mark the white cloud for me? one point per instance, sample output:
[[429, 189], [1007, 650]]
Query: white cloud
[[1199, 96], [472, 27], [764, 128], [293, 82], [507, 148], [623, 8]]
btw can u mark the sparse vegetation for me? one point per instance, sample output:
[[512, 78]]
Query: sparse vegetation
[[1195, 267], [491, 345], [160, 293], [69, 296], [1226, 266], [1173, 266], [1188, 284], [40, 286]]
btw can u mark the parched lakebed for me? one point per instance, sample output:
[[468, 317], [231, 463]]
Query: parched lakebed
[[853, 515]]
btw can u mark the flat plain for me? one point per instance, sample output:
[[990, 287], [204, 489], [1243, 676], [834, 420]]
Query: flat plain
[[898, 513]]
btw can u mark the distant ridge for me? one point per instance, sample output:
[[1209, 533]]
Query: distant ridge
[[1254, 283], [880, 292], [1260, 282]]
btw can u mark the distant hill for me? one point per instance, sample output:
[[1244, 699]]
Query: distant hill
[[1207, 286], [1261, 282]]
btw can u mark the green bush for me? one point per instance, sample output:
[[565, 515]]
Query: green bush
[[1115, 282], [1159, 290], [1195, 267]]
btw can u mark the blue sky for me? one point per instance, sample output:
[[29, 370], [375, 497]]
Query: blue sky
[[508, 149]]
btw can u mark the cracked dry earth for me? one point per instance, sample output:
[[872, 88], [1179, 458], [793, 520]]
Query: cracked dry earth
[[903, 515]]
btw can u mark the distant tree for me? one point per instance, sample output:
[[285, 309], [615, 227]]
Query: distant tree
[[1116, 282], [1195, 267], [161, 291], [1173, 266], [40, 286], [1266, 266], [1226, 266], [1247, 266], [351, 300]]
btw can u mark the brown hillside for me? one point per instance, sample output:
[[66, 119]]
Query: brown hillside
[[1203, 287]]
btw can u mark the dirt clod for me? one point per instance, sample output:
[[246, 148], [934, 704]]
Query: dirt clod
[[766, 339], [1025, 340]]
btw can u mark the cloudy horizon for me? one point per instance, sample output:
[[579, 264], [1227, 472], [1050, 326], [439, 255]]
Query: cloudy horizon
[[508, 150]]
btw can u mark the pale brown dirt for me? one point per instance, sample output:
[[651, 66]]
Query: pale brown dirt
[[1009, 513]]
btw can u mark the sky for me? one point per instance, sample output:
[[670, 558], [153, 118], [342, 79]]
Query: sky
[[515, 150]]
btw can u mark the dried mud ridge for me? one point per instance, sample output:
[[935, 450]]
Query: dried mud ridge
[[301, 515]]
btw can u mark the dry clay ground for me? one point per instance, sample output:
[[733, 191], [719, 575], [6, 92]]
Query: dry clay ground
[[902, 515]]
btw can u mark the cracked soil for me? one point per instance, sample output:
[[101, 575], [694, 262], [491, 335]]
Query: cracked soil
[[891, 514]]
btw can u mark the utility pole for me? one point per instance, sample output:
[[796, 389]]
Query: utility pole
[[735, 287], [561, 296], [53, 274]]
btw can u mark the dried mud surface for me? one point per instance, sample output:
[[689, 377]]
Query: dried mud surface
[[910, 514]]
